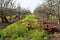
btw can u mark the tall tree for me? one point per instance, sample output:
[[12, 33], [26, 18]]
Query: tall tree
[[50, 7], [5, 6]]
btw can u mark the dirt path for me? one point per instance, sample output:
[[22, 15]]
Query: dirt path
[[54, 38], [56, 35]]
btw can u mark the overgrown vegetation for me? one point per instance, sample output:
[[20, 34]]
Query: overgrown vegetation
[[19, 31]]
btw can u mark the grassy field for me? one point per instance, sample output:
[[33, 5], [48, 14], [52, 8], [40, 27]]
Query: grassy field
[[19, 31]]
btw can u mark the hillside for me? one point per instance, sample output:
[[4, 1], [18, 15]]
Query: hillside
[[19, 30]]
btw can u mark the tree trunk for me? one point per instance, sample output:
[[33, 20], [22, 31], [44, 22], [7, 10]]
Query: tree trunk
[[58, 21], [47, 17], [4, 19], [18, 16]]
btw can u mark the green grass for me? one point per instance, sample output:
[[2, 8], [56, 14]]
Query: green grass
[[19, 31], [52, 17]]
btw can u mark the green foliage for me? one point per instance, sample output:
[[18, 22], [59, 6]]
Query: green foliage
[[19, 31]]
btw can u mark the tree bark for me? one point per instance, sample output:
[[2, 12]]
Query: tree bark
[[4, 19], [47, 16], [58, 21]]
